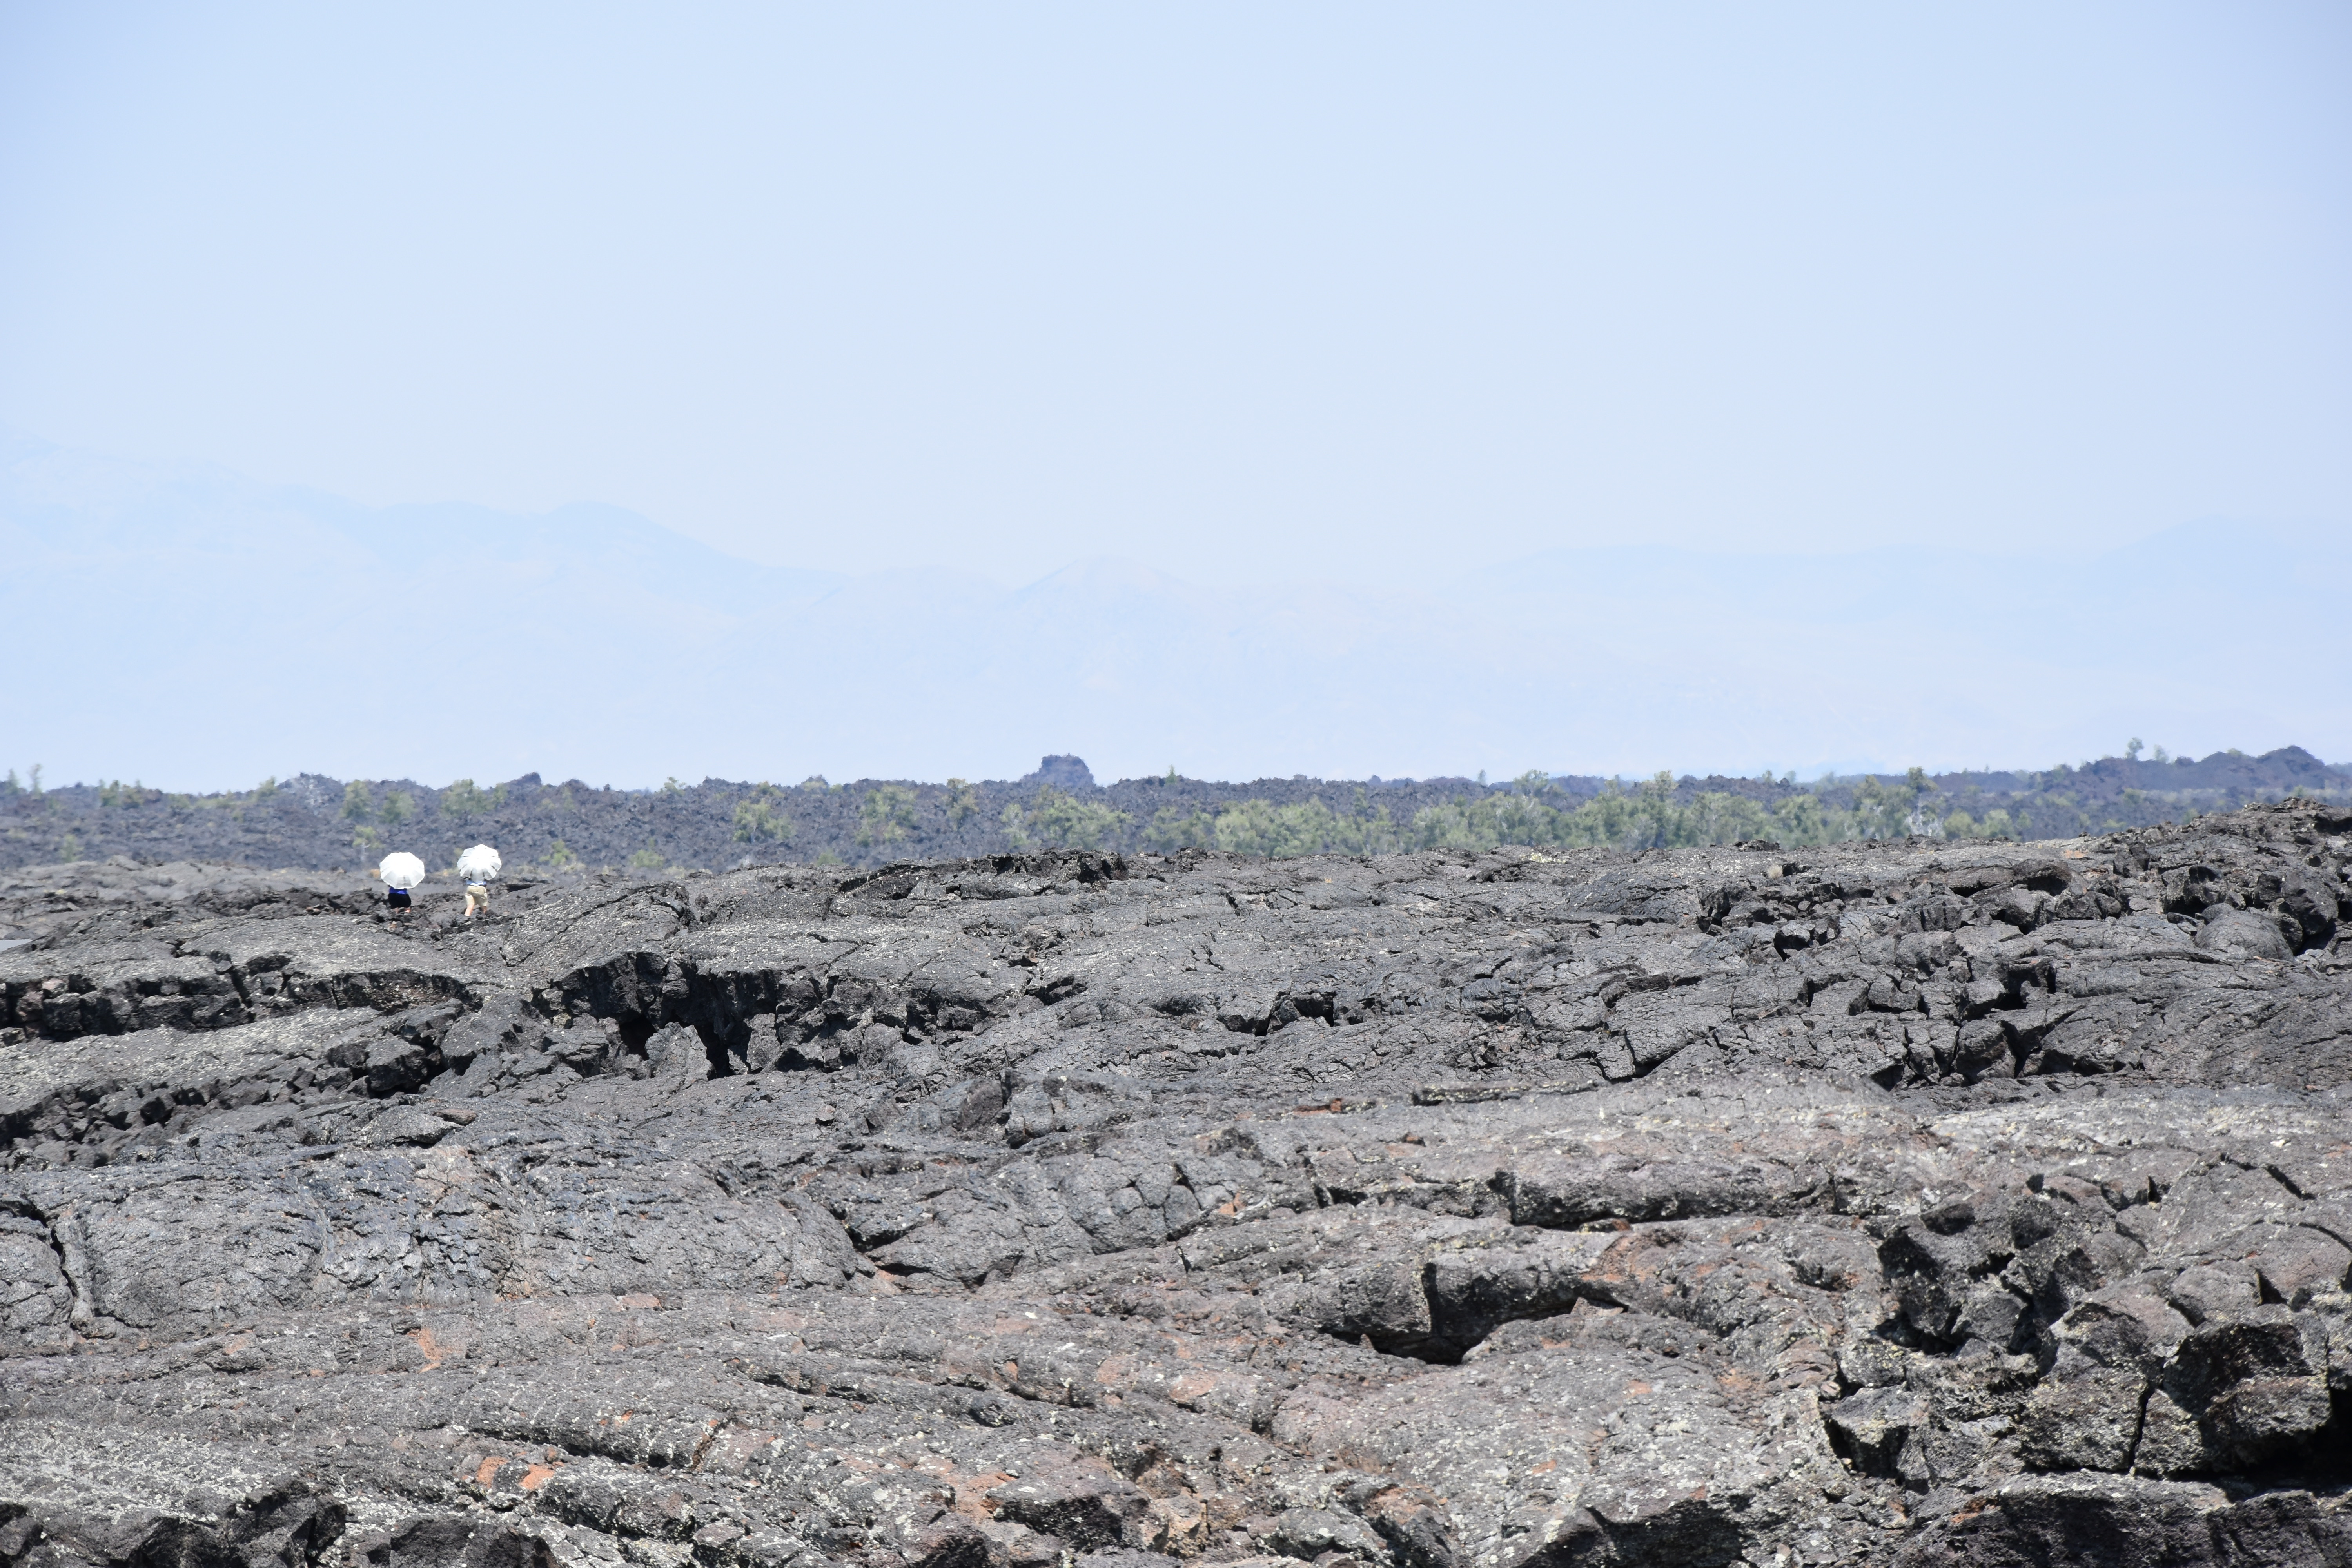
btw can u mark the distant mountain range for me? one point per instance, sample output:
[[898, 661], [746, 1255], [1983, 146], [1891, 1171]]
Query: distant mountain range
[[189, 627]]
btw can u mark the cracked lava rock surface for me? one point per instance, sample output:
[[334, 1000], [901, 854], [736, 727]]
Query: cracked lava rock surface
[[1919, 1203]]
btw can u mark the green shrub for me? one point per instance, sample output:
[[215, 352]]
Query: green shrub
[[464, 801], [760, 817], [1064, 820], [1260, 827], [1172, 829], [885, 816]]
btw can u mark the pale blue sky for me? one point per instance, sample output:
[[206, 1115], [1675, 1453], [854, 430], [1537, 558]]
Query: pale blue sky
[[1294, 291]]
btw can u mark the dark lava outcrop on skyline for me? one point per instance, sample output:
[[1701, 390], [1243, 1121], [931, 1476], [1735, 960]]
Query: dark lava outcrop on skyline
[[1966, 1202]]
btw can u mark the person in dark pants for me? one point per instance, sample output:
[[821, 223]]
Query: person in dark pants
[[400, 871]]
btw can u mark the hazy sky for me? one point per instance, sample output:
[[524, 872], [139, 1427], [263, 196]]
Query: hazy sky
[[1280, 290]]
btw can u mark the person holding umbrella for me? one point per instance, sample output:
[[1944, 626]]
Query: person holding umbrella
[[479, 866], [400, 871]]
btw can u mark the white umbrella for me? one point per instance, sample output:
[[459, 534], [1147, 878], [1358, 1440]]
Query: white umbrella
[[401, 869], [479, 864]]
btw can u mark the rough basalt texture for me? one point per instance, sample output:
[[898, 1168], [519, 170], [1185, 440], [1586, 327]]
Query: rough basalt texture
[[1923, 1203]]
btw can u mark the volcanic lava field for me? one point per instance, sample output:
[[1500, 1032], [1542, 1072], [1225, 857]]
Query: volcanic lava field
[[1921, 1202]]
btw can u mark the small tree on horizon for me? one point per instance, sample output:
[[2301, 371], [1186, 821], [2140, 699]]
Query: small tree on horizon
[[464, 801], [885, 816], [760, 817]]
